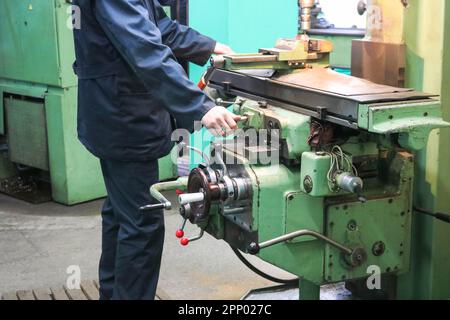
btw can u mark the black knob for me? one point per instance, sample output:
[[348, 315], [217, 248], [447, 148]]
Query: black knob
[[362, 7], [253, 248]]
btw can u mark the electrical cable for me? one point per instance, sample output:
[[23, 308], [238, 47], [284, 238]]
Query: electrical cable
[[445, 217], [266, 276], [339, 162]]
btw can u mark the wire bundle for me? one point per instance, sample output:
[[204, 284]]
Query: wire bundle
[[340, 162]]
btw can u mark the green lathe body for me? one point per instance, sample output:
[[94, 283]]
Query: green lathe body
[[329, 176], [321, 194], [280, 205]]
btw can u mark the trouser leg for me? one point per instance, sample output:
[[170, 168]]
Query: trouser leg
[[140, 236], [110, 230]]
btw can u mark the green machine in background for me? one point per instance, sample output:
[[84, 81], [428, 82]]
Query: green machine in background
[[40, 156], [341, 57], [38, 92]]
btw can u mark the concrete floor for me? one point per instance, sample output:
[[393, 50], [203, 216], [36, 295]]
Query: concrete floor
[[39, 242]]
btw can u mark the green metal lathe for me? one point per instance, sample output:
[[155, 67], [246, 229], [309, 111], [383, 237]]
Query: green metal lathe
[[321, 177], [41, 158]]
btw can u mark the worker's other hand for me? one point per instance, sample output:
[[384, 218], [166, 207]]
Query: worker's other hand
[[222, 49], [220, 122]]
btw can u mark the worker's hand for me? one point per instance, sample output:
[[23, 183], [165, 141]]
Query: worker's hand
[[220, 122], [223, 49]]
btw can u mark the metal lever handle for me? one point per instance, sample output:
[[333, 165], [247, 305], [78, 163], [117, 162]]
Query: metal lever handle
[[182, 145], [222, 103], [180, 232], [244, 119], [152, 207], [254, 248], [156, 192], [185, 241]]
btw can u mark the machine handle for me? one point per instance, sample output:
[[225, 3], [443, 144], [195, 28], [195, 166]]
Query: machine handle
[[156, 192], [191, 198], [254, 248], [185, 241], [152, 207], [182, 145], [220, 102]]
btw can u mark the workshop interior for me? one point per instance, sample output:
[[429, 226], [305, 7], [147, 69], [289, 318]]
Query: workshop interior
[[338, 173]]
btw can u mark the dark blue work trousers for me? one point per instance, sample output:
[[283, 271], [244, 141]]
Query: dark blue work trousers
[[132, 243]]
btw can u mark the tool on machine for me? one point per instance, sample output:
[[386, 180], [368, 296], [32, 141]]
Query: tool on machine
[[306, 7], [311, 16]]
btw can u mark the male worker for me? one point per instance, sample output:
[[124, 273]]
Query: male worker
[[130, 84]]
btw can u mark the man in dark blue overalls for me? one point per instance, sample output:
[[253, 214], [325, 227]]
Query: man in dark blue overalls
[[130, 86]]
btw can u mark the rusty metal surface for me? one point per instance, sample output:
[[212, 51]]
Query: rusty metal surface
[[246, 58], [327, 80], [379, 62]]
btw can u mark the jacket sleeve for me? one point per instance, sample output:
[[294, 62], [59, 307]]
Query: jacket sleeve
[[138, 40], [186, 43]]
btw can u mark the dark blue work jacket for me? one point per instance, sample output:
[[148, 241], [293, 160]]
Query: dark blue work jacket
[[130, 83]]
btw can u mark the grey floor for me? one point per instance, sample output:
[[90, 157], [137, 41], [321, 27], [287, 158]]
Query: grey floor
[[39, 242]]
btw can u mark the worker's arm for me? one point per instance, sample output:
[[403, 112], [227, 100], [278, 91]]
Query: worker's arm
[[186, 43], [136, 37]]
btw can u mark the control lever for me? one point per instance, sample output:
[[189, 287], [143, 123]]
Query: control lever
[[156, 192], [185, 199], [180, 232], [152, 207], [254, 248], [185, 241], [354, 257], [219, 159], [183, 145], [220, 102], [350, 183]]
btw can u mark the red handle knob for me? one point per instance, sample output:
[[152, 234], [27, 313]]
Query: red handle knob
[[179, 234], [184, 242], [202, 84]]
